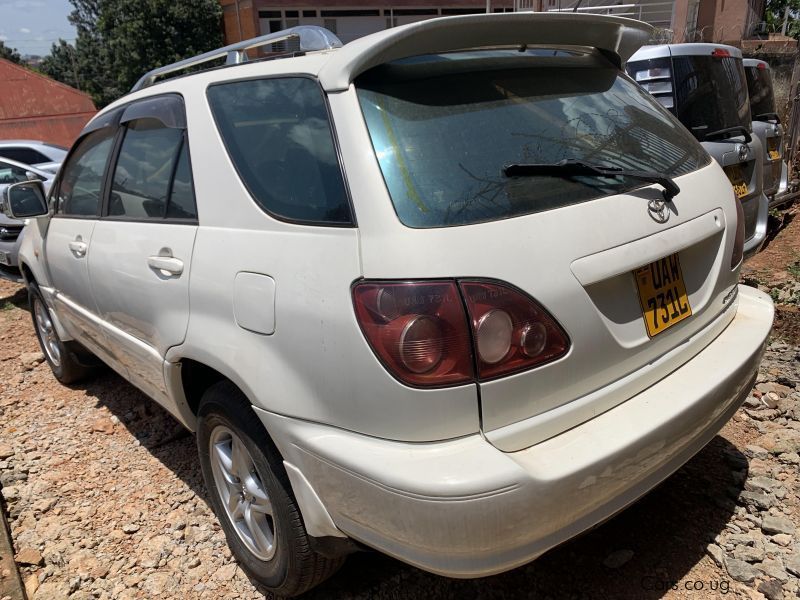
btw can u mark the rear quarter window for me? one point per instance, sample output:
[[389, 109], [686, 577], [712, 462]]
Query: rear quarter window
[[444, 127], [278, 136]]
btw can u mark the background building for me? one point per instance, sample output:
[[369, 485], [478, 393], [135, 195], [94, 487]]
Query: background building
[[36, 107], [725, 21]]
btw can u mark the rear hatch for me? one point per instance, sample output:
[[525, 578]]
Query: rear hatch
[[444, 127]]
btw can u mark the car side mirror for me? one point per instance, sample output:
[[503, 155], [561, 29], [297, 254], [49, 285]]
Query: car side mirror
[[24, 199]]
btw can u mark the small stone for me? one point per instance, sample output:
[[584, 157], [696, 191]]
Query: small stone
[[782, 539], [772, 589], [130, 528], [717, 554], [103, 425], [29, 556], [616, 559], [6, 451], [792, 458], [740, 570], [755, 451], [757, 499], [193, 562], [748, 554], [771, 525], [31, 585], [763, 484], [226, 572], [29, 360], [793, 563], [774, 569]]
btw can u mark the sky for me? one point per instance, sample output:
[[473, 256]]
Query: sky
[[31, 26]]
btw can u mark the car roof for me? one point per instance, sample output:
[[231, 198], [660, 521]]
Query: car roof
[[16, 163], [616, 37], [755, 62], [668, 50]]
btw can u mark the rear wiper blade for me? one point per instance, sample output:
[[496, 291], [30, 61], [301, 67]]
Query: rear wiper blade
[[724, 134], [771, 116], [575, 168]]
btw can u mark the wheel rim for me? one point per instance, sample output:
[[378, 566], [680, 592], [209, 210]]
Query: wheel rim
[[244, 497], [47, 333]]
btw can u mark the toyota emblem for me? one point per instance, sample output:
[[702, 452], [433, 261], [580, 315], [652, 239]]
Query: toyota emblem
[[658, 210], [743, 151]]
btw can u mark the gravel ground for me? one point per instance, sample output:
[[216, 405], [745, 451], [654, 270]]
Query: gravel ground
[[105, 499]]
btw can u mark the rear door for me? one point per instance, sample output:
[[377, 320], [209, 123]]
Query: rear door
[[142, 245], [69, 236]]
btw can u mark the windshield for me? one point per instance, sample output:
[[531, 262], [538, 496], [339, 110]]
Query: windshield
[[710, 93], [759, 86], [444, 127]]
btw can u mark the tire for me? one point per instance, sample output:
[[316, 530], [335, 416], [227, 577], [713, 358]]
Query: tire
[[64, 358], [247, 478]]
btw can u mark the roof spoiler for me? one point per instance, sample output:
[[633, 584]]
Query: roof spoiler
[[616, 37]]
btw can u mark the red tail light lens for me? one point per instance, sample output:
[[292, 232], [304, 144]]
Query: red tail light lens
[[738, 240], [720, 53], [511, 331], [417, 329]]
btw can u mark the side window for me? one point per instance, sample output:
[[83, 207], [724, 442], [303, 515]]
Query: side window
[[144, 171], [29, 156], [181, 201], [11, 174], [278, 135], [82, 177]]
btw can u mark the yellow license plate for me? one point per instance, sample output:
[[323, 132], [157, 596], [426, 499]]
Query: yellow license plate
[[734, 173], [773, 148], [662, 294]]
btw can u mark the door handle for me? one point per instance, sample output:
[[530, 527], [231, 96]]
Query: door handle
[[166, 264], [78, 248]]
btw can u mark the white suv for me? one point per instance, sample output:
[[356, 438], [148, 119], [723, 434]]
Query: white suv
[[456, 291]]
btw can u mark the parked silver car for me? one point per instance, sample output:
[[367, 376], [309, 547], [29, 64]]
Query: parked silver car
[[704, 86], [11, 172], [42, 155], [767, 126]]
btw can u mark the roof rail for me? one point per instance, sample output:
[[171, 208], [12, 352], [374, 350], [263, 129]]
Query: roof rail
[[311, 38]]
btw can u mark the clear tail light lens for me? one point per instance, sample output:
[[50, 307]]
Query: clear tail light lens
[[738, 240], [512, 332], [417, 329]]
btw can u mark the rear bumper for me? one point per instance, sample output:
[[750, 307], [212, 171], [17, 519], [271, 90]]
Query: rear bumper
[[754, 243], [463, 508]]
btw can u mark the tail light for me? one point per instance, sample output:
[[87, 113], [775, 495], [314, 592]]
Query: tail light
[[720, 53], [738, 240], [422, 333], [417, 329], [511, 331]]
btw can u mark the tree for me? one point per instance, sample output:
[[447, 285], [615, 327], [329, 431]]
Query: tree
[[118, 41], [775, 13], [9, 53]]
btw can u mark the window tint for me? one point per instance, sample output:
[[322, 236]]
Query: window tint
[[181, 202], [82, 178], [29, 156], [444, 127], [697, 79], [279, 138], [144, 170], [759, 86], [11, 174]]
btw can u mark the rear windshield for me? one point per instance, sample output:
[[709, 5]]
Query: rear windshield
[[444, 127], [759, 86], [710, 93]]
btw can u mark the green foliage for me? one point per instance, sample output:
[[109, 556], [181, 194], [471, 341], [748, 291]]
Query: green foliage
[[9, 53], [118, 41], [774, 12]]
